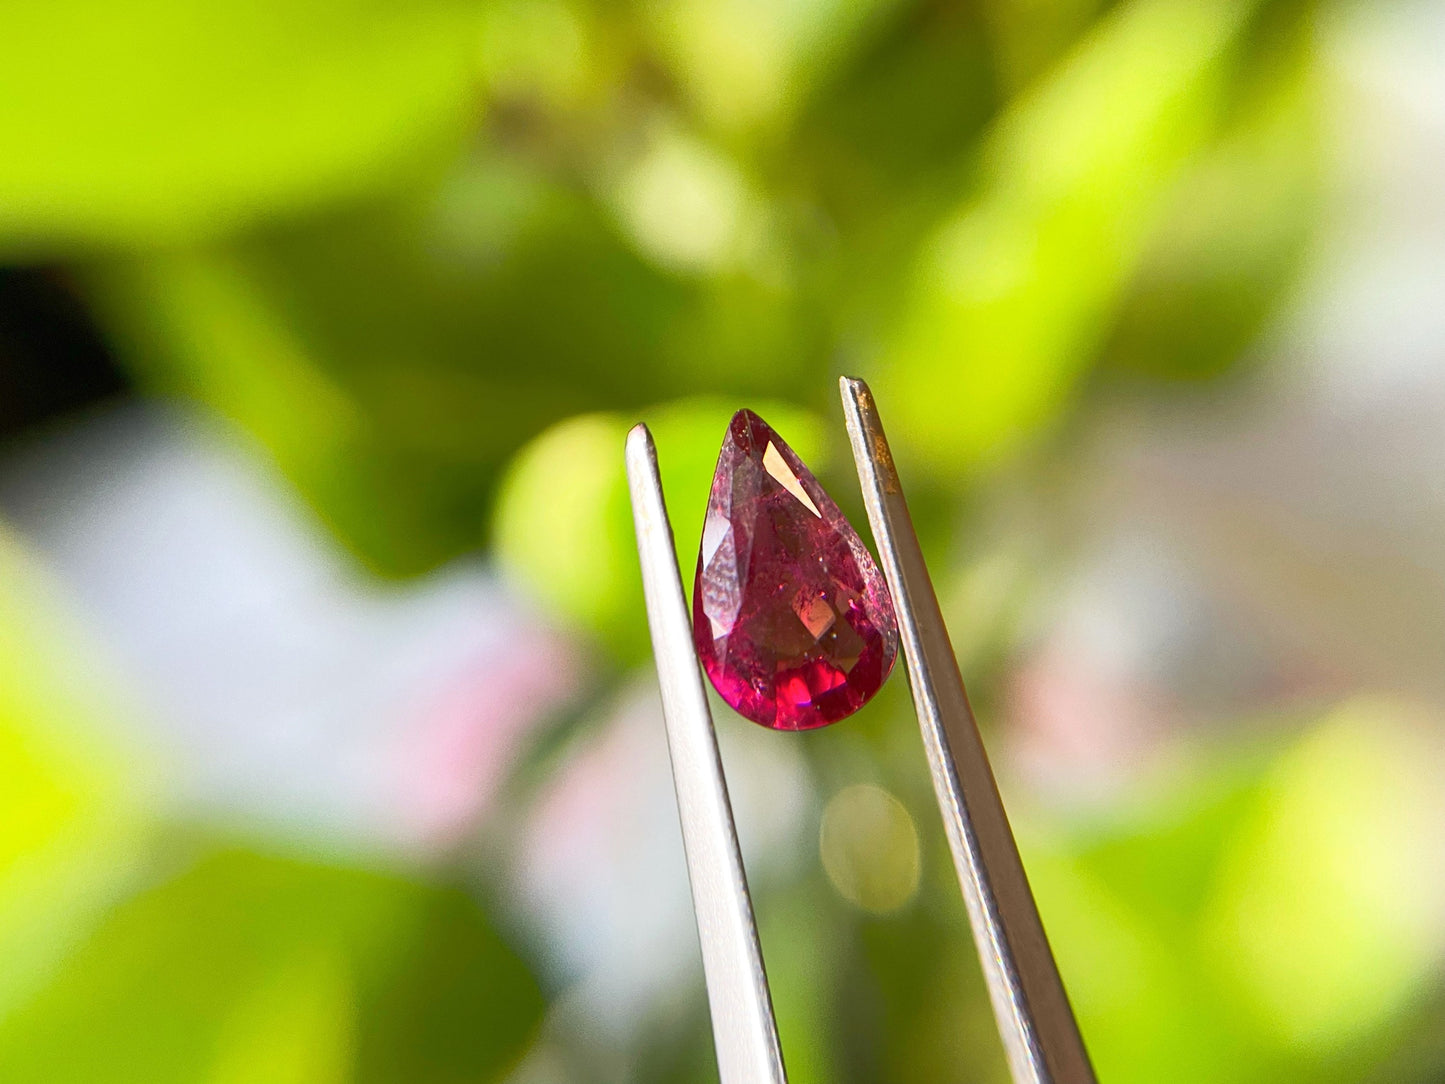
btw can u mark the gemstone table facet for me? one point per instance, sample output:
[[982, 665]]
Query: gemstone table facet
[[791, 616]]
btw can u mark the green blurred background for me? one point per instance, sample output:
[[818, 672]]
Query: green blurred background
[[329, 746]]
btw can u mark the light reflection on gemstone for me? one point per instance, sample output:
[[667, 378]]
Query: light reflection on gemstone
[[775, 465], [816, 614]]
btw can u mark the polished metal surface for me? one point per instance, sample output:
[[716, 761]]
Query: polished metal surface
[[1035, 1020], [744, 1031]]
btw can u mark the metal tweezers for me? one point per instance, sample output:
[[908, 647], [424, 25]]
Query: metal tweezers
[[1040, 1037]]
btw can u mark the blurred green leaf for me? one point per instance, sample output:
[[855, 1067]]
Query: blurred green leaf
[[563, 527], [1237, 228], [392, 359], [879, 143], [165, 120], [540, 46], [1266, 915], [1028, 39], [75, 812], [803, 950], [1014, 293], [1326, 916], [746, 63], [1123, 900], [203, 323], [249, 969], [456, 1005]]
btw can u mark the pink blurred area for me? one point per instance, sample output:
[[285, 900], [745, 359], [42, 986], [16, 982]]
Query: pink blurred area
[[284, 686]]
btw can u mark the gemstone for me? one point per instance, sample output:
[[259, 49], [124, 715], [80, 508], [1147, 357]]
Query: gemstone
[[791, 617]]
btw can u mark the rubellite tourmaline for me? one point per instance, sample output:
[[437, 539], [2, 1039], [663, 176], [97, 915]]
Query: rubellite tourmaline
[[791, 617]]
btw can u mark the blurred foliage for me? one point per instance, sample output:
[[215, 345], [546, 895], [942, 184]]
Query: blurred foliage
[[135, 952], [1015, 289], [158, 122], [1248, 924], [73, 799], [620, 225], [245, 968]]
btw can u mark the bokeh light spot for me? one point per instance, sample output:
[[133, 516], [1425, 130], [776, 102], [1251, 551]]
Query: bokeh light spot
[[870, 848], [685, 204]]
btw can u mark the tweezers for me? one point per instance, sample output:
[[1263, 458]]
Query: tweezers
[[1035, 1021]]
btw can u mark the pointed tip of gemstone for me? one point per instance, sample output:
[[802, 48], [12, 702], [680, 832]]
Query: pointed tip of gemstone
[[791, 617], [746, 425]]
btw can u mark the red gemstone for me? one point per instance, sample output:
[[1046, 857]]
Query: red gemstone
[[791, 617]]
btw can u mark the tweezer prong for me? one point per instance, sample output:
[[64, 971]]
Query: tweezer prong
[[1035, 1021], [744, 1031]]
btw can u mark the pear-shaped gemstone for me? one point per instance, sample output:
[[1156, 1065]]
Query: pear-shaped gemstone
[[791, 617]]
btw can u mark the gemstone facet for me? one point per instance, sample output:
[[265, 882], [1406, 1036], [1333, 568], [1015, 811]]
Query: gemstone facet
[[792, 619]]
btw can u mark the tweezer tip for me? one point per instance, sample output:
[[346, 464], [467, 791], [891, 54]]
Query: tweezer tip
[[856, 393], [639, 442]]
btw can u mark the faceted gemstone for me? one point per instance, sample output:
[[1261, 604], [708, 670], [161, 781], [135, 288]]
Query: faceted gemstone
[[792, 619]]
